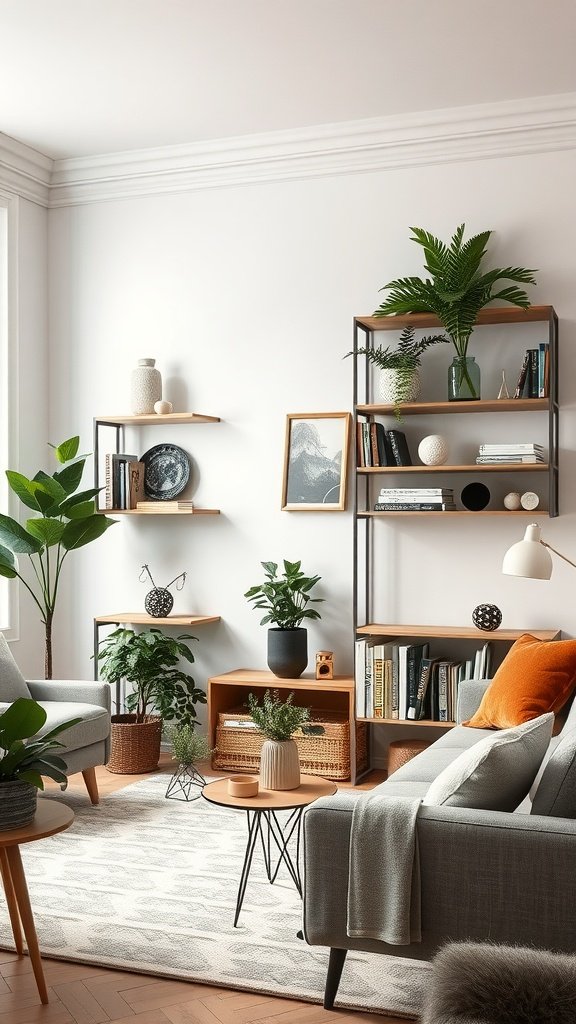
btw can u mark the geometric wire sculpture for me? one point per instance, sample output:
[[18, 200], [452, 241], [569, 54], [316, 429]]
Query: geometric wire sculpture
[[183, 782]]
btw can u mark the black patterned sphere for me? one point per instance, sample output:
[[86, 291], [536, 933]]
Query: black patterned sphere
[[487, 617], [159, 602]]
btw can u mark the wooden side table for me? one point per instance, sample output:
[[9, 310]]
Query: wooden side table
[[51, 817], [262, 821]]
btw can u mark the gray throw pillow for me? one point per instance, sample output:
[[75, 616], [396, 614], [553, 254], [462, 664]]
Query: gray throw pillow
[[496, 773], [12, 682], [556, 792]]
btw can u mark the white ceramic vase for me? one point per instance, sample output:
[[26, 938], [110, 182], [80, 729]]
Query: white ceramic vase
[[146, 387], [279, 765], [388, 385]]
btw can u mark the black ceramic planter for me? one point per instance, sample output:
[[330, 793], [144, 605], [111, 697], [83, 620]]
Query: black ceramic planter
[[287, 652]]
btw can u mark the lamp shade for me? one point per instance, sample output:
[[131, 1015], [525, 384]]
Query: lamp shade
[[528, 557]]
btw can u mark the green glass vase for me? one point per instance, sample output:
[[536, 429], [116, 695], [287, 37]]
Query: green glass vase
[[463, 379]]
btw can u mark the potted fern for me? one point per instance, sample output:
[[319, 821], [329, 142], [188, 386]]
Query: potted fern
[[399, 379], [455, 293], [285, 600], [279, 719]]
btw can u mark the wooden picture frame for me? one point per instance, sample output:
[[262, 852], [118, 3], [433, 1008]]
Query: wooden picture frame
[[311, 439]]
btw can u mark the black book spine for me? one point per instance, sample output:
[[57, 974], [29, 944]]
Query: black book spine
[[399, 447], [533, 374], [522, 376]]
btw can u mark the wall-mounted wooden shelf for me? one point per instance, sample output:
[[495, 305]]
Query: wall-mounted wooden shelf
[[489, 316], [170, 419], [518, 467], [141, 619], [453, 632], [458, 512], [164, 512], [442, 408]]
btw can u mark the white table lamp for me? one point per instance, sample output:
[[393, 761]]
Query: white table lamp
[[530, 557]]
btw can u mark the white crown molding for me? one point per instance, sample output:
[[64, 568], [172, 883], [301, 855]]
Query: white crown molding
[[24, 171], [488, 131]]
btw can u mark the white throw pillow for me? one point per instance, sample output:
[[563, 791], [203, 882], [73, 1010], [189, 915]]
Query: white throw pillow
[[497, 772]]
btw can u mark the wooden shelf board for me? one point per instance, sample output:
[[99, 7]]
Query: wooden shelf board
[[141, 619], [171, 512], [172, 418], [441, 408], [260, 677], [408, 721], [454, 632], [490, 315], [532, 467], [458, 512]]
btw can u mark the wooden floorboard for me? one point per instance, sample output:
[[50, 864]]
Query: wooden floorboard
[[82, 994]]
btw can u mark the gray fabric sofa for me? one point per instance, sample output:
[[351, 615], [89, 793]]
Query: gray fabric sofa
[[485, 875]]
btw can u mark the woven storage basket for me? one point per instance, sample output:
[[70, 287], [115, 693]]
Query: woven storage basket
[[17, 804], [134, 746], [238, 748]]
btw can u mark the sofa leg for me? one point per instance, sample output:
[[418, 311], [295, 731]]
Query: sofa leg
[[335, 967], [89, 777]]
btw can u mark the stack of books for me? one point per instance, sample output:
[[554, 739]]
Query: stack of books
[[379, 447], [124, 480], [415, 499], [516, 453], [165, 506], [534, 376]]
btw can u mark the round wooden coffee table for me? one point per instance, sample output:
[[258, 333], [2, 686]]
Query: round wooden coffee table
[[51, 817], [261, 811]]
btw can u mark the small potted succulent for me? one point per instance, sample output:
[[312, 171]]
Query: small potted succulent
[[188, 748], [161, 693], [399, 379], [285, 599], [24, 760], [279, 719]]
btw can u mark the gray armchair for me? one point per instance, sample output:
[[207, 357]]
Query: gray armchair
[[85, 745]]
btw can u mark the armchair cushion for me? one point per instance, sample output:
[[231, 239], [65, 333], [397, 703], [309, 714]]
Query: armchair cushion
[[556, 791], [12, 682], [495, 773], [93, 728]]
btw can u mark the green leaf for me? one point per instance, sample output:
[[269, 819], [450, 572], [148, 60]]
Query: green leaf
[[21, 720], [80, 532], [49, 531], [68, 450], [81, 510], [23, 488], [70, 477], [77, 499], [7, 564], [34, 778], [50, 486], [15, 538]]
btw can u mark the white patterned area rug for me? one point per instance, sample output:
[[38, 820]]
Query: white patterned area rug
[[147, 884]]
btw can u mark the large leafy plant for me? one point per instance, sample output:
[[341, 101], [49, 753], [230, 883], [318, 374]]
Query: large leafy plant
[[285, 598], [456, 290], [148, 660], [65, 519], [28, 762], [278, 719]]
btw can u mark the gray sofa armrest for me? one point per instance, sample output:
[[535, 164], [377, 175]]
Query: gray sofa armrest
[[485, 875], [470, 693], [83, 691]]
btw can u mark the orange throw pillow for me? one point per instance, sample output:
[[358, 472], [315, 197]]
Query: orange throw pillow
[[535, 677]]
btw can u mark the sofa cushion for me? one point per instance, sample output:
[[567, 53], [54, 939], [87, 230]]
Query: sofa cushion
[[95, 724], [496, 773], [536, 676], [556, 791], [12, 682]]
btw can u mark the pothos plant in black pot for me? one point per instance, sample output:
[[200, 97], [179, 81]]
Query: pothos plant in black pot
[[285, 598]]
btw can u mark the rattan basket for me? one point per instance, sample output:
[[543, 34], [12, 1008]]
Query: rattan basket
[[238, 748], [134, 746]]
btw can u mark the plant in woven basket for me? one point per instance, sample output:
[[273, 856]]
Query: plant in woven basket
[[148, 661], [188, 746]]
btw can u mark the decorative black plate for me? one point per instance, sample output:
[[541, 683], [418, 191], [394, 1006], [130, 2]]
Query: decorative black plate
[[166, 471]]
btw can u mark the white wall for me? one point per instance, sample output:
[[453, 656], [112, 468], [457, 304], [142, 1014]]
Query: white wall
[[246, 296]]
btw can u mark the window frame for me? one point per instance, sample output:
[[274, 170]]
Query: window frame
[[9, 589]]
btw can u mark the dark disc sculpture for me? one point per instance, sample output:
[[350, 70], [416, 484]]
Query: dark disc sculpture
[[487, 617]]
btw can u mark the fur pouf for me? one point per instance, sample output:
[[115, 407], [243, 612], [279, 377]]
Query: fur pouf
[[473, 983]]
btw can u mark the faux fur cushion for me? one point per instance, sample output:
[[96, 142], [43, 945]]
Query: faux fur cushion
[[474, 983]]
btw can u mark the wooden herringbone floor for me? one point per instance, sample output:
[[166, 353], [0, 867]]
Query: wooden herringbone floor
[[95, 995]]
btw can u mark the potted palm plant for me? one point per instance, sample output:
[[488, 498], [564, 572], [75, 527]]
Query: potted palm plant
[[161, 692], [399, 379], [455, 293], [279, 719], [24, 760], [285, 599]]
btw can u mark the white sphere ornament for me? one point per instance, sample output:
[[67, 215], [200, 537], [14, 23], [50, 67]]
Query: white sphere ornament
[[529, 500], [162, 408], [512, 501], [433, 450]]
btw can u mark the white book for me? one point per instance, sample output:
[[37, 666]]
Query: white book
[[414, 499], [403, 680], [503, 448], [476, 673], [416, 490], [359, 677]]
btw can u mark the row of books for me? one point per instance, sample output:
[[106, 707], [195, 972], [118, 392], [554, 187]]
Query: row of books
[[124, 480], [534, 376], [415, 499], [516, 452], [379, 447], [395, 680]]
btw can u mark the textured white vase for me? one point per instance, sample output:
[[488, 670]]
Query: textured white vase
[[145, 387], [388, 388], [279, 765]]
